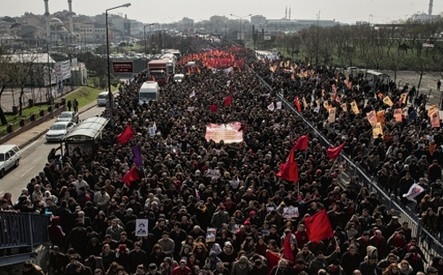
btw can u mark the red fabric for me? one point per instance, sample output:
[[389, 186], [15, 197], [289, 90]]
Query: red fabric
[[130, 176], [228, 101], [289, 170], [272, 258], [125, 136], [287, 252], [334, 152], [318, 226], [297, 104], [213, 108], [301, 144]]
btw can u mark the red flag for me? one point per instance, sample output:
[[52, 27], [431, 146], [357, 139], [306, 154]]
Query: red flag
[[287, 252], [228, 101], [301, 144], [318, 226], [130, 176], [125, 136], [334, 152], [213, 108], [297, 103], [272, 258], [289, 170]]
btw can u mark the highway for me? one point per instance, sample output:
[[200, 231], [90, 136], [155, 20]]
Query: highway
[[34, 157]]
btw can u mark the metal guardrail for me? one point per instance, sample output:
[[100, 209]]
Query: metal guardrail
[[426, 238], [23, 230]]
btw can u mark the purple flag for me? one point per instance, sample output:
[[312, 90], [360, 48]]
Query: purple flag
[[136, 155]]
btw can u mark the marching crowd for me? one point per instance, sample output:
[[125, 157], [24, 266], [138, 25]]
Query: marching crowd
[[219, 208]]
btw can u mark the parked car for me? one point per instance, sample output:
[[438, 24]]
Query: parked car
[[58, 130], [69, 116], [9, 158]]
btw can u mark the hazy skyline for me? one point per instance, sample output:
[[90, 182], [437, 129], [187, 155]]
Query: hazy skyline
[[346, 11]]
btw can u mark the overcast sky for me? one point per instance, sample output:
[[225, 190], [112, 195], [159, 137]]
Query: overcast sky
[[162, 11]]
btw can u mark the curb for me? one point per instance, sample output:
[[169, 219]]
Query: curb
[[37, 136]]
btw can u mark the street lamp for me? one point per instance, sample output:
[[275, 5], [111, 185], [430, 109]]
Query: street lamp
[[110, 101], [241, 25], [144, 34]]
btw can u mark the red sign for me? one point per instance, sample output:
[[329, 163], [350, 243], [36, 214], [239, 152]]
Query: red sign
[[122, 67]]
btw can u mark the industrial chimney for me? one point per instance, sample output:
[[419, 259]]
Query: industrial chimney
[[46, 7], [70, 5]]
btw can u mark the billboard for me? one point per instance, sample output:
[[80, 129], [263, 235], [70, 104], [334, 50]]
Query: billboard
[[122, 66]]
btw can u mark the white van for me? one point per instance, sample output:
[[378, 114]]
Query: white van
[[102, 98], [148, 91], [9, 158]]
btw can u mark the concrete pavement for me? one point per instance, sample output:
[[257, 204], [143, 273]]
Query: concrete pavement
[[24, 139]]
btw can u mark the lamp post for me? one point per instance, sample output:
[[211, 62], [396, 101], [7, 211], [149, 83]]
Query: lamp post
[[110, 101], [144, 34], [241, 25]]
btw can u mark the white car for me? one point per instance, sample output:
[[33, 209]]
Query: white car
[[178, 78], [69, 116], [103, 98], [58, 130], [9, 158]]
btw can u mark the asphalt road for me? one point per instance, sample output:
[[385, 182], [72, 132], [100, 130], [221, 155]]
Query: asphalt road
[[34, 157]]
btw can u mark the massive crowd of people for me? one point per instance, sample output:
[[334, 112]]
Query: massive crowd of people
[[187, 186]]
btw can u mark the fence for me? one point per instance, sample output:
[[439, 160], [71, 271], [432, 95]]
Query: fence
[[22, 232]]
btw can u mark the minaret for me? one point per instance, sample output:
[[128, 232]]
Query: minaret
[[46, 7], [70, 6], [48, 26], [289, 13], [431, 4], [71, 23], [286, 12]]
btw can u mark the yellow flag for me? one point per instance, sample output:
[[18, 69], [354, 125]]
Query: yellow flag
[[434, 116], [326, 105], [331, 117], [398, 115], [403, 97], [381, 117], [387, 101], [377, 130], [432, 110], [372, 117], [354, 107]]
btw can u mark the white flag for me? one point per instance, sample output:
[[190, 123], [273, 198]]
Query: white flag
[[271, 106], [192, 94], [413, 192], [279, 104]]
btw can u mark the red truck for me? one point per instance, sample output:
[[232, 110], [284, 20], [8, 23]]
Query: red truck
[[158, 71]]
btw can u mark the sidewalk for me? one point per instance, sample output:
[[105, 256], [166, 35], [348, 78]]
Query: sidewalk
[[33, 134]]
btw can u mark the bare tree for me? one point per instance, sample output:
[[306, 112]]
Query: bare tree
[[21, 66]]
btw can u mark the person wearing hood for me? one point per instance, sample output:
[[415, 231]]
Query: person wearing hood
[[228, 255], [390, 259], [405, 268], [212, 260], [241, 267]]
